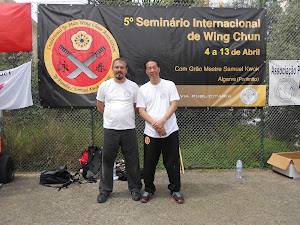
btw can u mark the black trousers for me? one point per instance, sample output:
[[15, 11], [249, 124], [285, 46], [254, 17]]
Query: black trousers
[[169, 147], [128, 141]]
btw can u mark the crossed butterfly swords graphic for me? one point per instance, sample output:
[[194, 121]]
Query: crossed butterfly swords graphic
[[82, 66]]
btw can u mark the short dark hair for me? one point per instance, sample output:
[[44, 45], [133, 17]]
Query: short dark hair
[[120, 59], [152, 60]]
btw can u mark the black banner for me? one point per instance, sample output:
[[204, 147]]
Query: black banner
[[216, 57]]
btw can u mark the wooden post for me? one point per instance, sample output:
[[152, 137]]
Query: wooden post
[[181, 162]]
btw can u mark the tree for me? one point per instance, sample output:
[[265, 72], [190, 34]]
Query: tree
[[284, 31], [108, 2]]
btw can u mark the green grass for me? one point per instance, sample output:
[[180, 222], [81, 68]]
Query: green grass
[[50, 139]]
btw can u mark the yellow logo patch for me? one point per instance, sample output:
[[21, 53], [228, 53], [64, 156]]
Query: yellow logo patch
[[147, 140]]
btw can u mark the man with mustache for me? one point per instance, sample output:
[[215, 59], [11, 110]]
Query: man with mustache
[[116, 101]]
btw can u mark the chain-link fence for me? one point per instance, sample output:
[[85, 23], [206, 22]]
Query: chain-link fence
[[39, 138]]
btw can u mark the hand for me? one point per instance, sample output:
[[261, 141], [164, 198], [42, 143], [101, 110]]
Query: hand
[[158, 124], [159, 129], [162, 132]]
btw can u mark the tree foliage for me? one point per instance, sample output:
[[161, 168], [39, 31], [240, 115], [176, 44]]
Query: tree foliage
[[284, 31]]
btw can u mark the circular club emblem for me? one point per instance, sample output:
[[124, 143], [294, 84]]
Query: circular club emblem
[[78, 56], [147, 140], [285, 89], [163, 96], [127, 93], [249, 96]]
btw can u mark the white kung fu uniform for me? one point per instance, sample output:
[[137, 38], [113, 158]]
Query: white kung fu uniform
[[156, 99], [119, 130]]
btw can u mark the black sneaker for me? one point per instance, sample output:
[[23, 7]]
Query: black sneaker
[[135, 195], [146, 197], [177, 196], [102, 197]]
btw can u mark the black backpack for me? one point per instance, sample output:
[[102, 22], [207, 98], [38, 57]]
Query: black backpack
[[7, 167], [90, 161], [58, 175]]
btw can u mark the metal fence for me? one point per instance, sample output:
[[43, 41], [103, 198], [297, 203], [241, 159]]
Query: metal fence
[[39, 138]]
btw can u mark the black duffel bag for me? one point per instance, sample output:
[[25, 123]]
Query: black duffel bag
[[7, 167], [59, 176]]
